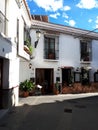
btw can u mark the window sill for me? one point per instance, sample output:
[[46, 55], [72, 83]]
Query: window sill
[[85, 62], [51, 60]]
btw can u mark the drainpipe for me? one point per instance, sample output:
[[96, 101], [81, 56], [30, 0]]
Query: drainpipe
[[5, 24]]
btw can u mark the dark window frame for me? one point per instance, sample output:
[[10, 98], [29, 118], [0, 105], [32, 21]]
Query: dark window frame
[[85, 50], [95, 77], [51, 50]]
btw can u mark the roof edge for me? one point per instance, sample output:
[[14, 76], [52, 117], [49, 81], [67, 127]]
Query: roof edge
[[63, 29]]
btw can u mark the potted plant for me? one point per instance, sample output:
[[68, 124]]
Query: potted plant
[[28, 47], [25, 87], [56, 88], [32, 91], [70, 80]]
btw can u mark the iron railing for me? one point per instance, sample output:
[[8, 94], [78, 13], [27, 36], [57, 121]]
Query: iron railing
[[51, 55]]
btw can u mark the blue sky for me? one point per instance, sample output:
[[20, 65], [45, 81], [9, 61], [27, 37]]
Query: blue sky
[[81, 14]]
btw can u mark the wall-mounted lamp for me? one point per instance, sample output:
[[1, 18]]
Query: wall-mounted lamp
[[77, 69], [38, 34], [58, 69], [30, 65], [20, 3]]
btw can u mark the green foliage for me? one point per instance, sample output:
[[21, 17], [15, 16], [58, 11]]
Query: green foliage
[[28, 44], [57, 85], [27, 85], [31, 49]]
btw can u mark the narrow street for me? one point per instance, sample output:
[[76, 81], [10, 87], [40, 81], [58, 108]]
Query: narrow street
[[54, 112]]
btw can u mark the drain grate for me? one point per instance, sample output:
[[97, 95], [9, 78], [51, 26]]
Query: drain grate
[[68, 110]]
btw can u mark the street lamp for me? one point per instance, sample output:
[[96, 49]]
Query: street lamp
[[30, 65], [38, 34]]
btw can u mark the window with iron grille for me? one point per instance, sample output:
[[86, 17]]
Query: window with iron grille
[[86, 50], [19, 3], [51, 47], [27, 38], [3, 23]]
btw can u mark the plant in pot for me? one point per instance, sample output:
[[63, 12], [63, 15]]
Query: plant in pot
[[70, 83], [28, 47], [25, 87], [32, 90], [56, 88]]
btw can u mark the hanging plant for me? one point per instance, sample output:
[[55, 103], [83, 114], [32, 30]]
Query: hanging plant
[[29, 48]]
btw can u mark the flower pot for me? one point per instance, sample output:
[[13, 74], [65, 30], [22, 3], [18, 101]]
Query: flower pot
[[56, 92], [25, 93]]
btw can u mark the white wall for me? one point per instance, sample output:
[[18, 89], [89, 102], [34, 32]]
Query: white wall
[[15, 70], [95, 53], [69, 54], [5, 47], [69, 51], [2, 6], [24, 71]]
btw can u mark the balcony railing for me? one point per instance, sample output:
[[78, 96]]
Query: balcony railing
[[3, 23], [85, 56], [51, 55]]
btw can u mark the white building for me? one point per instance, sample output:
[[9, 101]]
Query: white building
[[59, 53], [15, 21], [63, 52]]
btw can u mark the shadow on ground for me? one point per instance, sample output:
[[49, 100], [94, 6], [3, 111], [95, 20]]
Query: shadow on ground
[[53, 113]]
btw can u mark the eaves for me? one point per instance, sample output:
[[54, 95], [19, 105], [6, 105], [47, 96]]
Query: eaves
[[76, 32]]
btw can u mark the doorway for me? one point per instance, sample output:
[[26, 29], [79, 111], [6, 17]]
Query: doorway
[[66, 75], [1, 62], [1, 75], [44, 77]]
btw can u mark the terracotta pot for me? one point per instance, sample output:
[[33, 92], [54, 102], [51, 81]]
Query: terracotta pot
[[25, 94], [56, 92]]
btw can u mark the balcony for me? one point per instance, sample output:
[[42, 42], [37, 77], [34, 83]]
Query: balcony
[[86, 57], [28, 47], [51, 55], [3, 23]]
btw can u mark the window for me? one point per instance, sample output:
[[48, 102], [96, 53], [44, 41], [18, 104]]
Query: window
[[86, 50], [19, 3], [85, 76], [77, 77], [3, 23], [96, 76], [17, 34], [26, 34], [51, 47]]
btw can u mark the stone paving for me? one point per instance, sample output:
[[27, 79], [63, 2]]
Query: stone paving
[[54, 112]]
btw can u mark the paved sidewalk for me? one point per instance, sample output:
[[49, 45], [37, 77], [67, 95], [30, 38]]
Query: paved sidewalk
[[55, 112]]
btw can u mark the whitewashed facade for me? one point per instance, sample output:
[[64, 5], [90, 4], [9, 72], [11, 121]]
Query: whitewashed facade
[[69, 52], [15, 25], [14, 17]]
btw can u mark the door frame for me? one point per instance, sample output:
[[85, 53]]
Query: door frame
[[42, 79]]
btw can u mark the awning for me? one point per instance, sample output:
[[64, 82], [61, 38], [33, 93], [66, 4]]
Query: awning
[[67, 67]]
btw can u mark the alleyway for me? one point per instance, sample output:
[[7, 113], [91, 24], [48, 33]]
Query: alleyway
[[57, 112]]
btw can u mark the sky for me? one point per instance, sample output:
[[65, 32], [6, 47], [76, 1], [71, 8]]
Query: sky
[[81, 14]]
